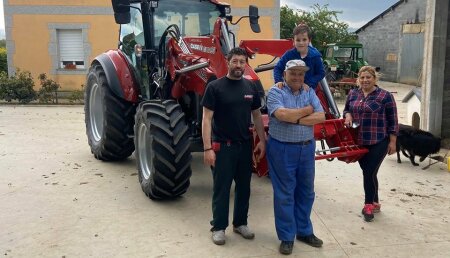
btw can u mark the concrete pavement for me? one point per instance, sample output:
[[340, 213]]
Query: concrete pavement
[[58, 201]]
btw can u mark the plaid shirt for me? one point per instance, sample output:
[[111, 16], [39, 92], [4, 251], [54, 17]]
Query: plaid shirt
[[376, 114]]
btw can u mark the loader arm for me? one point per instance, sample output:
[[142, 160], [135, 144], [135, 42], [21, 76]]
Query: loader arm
[[273, 47]]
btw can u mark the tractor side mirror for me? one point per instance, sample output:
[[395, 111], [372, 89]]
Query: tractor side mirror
[[253, 14], [121, 11]]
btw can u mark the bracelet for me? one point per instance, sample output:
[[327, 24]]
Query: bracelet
[[205, 150]]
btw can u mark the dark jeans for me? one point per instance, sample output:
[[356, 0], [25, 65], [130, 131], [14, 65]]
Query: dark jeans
[[370, 164], [233, 162]]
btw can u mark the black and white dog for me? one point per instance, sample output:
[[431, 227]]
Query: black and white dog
[[414, 142]]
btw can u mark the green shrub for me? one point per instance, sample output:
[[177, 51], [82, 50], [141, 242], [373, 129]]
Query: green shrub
[[19, 86], [77, 96], [48, 93]]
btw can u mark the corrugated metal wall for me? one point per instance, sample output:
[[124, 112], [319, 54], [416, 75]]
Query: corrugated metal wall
[[411, 58]]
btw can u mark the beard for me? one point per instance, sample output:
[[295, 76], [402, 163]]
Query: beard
[[237, 73]]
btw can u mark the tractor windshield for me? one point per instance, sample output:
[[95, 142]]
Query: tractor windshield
[[193, 17], [343, 53]]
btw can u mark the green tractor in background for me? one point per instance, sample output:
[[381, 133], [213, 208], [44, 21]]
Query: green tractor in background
[[342, 62]]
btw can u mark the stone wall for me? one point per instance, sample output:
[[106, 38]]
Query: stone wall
[[381, 38]]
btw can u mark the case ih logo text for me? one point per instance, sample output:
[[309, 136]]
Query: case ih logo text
[[209, 50]]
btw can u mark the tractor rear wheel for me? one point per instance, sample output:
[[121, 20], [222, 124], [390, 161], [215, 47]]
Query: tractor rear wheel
[[162, 149], [109, 119]]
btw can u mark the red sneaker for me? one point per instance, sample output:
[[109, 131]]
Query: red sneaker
[[376, 207], [367, 211]]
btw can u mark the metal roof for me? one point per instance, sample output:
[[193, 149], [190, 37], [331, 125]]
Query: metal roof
[[417, 91], [380, 15]]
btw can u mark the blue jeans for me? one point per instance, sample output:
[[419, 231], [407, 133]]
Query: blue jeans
[[291, 169]]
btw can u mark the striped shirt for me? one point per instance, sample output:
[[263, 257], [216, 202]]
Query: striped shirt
[[284, 98], [376, 114]]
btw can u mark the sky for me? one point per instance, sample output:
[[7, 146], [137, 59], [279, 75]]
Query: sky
[[2, 18], [354, 12]]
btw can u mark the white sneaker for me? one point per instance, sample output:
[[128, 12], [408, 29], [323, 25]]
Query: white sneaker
[[218, 237], [244, 231]]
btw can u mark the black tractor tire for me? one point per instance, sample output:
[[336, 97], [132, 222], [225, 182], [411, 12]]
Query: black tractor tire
[[162, 149], [109, 119]]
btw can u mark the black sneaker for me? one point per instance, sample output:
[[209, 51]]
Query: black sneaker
[[311, 240], [286, 247]]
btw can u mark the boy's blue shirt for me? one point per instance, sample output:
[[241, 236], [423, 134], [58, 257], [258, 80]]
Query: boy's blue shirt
[[313, 60]]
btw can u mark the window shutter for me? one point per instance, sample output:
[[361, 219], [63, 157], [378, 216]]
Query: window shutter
[[71, 48]]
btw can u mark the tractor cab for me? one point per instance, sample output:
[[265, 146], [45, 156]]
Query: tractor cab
[[193, 18], [146, 27], [155, 36]]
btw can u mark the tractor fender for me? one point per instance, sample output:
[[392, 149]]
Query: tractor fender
[[119, 75]]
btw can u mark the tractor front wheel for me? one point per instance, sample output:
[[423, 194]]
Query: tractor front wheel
[[109, 119], [162, 149]]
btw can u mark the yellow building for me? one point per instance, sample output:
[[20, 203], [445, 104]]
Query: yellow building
[[61, 38]]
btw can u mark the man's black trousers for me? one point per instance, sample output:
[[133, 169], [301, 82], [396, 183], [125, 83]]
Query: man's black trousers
[[233, 162]]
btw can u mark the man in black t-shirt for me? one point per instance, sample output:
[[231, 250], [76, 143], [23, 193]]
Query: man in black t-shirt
[[228, 105]]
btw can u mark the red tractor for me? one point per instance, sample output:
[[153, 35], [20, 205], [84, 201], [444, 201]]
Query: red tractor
[[144, 97]]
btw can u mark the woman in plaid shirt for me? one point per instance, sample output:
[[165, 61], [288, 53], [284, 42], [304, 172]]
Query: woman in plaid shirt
[[375, 111]]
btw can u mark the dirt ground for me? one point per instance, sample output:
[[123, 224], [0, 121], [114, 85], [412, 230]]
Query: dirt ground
[[57, 200]]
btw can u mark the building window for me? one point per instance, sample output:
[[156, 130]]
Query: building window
[[70, 48]]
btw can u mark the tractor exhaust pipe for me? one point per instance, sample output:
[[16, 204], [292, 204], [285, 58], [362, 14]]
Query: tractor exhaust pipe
[[191, 68]]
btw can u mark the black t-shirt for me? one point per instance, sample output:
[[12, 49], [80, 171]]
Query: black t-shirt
[[232, 102]]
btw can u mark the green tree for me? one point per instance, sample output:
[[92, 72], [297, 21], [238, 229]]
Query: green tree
[[3, 60], [324, 22], [2, 43]]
